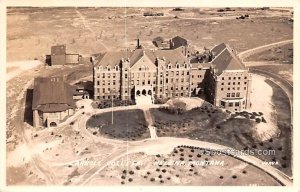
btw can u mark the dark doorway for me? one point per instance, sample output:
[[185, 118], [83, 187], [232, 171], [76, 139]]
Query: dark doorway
[[53, 124], [144, 92]]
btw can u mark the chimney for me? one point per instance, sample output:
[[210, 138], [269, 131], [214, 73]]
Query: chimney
[[138, 43]]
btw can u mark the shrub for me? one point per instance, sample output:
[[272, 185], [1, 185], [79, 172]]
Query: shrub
[[152, 179], [263, 120], [131, 172], [257, 120]]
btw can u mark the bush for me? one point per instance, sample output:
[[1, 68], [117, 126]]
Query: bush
[[257, 120], [263, 120]]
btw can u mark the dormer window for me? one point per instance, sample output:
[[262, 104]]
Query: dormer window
[[117, 68], [177, 66], [185, 65], [169, 66], [108, 68]]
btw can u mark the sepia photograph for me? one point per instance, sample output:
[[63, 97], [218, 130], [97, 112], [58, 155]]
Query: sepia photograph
[[149, 96]]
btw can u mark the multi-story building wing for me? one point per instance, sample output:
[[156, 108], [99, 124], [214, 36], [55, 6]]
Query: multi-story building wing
[[228, 83], [170, 73], [127, 74]]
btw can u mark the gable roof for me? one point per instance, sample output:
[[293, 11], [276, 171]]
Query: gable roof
[[218, 49], [227, 60], [114, 58], [52, 95]]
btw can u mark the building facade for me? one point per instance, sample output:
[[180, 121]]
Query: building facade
[[52, 102], [170, 73]]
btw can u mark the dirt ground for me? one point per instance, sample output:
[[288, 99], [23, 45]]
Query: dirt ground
[[281, 54], [143, 169], [31, 32]]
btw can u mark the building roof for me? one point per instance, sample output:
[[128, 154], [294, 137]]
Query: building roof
[[227, 60], [114, 58], [178, 41], [218, 49], [52, 95], [58, 50]]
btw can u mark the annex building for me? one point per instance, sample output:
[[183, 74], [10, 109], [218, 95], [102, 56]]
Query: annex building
[[167, 73], [52, 101]]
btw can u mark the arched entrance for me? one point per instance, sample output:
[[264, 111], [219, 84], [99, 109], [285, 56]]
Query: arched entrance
[[53, 124], [143, 95], [144, 92]]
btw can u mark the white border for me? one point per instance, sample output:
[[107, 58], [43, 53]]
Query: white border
[[151, 3]]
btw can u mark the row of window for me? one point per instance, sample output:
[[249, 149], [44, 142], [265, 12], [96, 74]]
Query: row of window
[[231, 104], [144, 74], [234, 83], [233, 94], [234, 78], [233, 88]]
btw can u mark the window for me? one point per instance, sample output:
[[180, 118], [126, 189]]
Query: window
[[167, 80], [233, 83], [103, 75], [234, 78], [192, 76], [239, 77], [114, 82], [222, 83], [187, 73], [143, 82], [232, 94], [103, 90], [148, 82], [245, 83], [125, 76], [237, 94], [238, 88], [245, 77], [177, 73], [245, 88], [237, 104], [223, 103], [103, 82], [228, 88], [98, 82], [98, 90], [222, 89], [222, 78], [243, 102], [228, 95], [229, 78], [239, 83], [230, 104], [229, 83]]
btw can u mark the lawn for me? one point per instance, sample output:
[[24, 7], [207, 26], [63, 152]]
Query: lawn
[[212, 125], [127, 125]]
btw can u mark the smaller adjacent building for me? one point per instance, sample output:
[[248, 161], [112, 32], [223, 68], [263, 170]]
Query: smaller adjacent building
[[52, 101], [59, 56]]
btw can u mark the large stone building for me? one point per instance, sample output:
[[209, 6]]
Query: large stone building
[[228, 83], [52, 101], [170, 73]]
